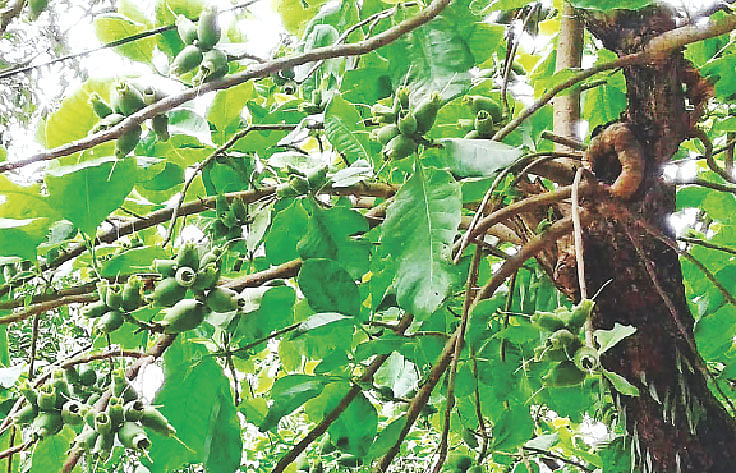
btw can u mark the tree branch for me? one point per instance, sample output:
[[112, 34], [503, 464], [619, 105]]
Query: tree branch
[[259, 70]]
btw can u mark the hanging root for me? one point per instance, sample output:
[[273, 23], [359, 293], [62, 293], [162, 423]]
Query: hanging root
[[618, 139]]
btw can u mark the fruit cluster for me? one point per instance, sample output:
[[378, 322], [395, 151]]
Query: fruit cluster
[[488, 116], [231, 216], [403, 124], [125, 100], [199, 40], [564, 347], [189, 289], [116, 300], [67, 400], [124, 417], [303, 183]]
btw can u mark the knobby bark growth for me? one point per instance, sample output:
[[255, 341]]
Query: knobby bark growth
[[677, 424]]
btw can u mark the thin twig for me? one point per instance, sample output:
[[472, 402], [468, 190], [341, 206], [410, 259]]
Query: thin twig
[[579, 256], [553, 455], [712, 164], [707, 244], [18, 448], [450, 398], [570, 142]]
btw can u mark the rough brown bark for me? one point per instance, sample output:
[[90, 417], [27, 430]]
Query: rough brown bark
[[676, 423]]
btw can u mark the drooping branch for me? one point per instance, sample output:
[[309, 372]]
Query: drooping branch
[[257, 71]]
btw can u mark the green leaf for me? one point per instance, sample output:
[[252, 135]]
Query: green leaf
[[49, 454], [603, 104], [468, 157], [608, 338], [357, 172], [621, 384], [132, 261], [419, 231], [275, 312], [288, 394], [224, 113], [606, 5], [714, 332], [345, 130], [514, 428], [296, 13], [195, 391], [328, 287], [86, 193], [287, 229], [330, 235], [386, 438], [112, 26], [223, 446], [354, 429]]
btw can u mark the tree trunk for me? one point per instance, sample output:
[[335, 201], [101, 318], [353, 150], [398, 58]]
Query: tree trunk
[[676, 423]]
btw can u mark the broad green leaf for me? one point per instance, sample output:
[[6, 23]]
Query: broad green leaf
[[287, 229], [468, 157], [275, 312], [224, 113], [514, 428], [194, 392], [295, 13], [418, 232], [22, 237], [223, 446], [288, 394], [328, 287], [608, 338], [714, 332], [345, 130], [399, 374], [621, 384], [354, 429], [603, 104], [386, 438], [111, 27], [357, 172], [133, 261], [49, 454], [86, 193], [330, 234]]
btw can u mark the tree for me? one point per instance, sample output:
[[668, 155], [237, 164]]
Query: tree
[[367, 253]]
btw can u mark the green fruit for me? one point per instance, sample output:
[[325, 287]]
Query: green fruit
[[383, 113], [132, 297], [160, 125], [208, 30], [164, 267], [385, 134], [487, 104], [548, 321], [463, 463], [59, 382], [103, 425], [168, 292], [26, 415], [133, 411], [187, 29], [579, 314], [154, 420], [299, 184], [87, 439], [207, 277], [47, 423], [87, 375], [407, 123], [187, 59], [564, 374], [72, 376], [127, 141], [188, 256], [111, 321], [214, 65], [484, 124], [566, 340], [104, 444], [586, 359], [185, 315], [400, 147], [402, 98], [37, 7], [99, 106], [151, 95], [212, 256], [185, 276], [47, 399], [94, 310], [126, 99], [114, 297], [72, 412], [132, 436], [426, 113], [221, 299]]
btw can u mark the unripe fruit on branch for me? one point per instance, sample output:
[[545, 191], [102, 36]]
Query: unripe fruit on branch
[[185, 276], [99, 106], [132, 436], [208, 30], [126, 99], [400, 147], [184, 315], [154, 420], [187, 59], [187, 29], [111, 321], [221, 299], [127, 141], [168, 292]]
